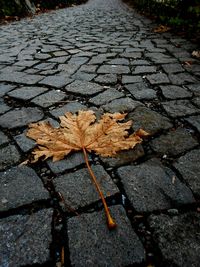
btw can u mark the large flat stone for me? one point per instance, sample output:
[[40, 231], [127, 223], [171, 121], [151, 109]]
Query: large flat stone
[[26, 239], [78, 189], [150, 187], [124, 157], [194, 121], [174, 143], [26, 93], [20, 186], [9, 155], [177, 238], [69, 107], [57, 81], [149, 120], [117, 69], [105, 97], [189, 168], [20, 117], [174, 92], [48, 99], [3, 138], [121, 105], [159, 78], [106, 79], [84, 88], [74, 160], [4, 88], [179, 108], [92, 244], [141, 91]]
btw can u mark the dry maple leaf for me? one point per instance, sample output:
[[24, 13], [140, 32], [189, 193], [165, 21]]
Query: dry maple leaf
[[162, 29], [81, 132]]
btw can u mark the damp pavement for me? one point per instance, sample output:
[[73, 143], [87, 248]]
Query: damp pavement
[[102, 56]]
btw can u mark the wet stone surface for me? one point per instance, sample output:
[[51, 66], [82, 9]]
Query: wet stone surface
[[106, 57], [177, 238], [78, 189], [188, 166], [150, 187], [25, 239], [20, 186], [174, 143], [20, 117], [95, 245]]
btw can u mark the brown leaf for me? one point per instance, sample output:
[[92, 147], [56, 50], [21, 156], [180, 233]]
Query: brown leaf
[[196, 53], [162, 29], [106, 137]]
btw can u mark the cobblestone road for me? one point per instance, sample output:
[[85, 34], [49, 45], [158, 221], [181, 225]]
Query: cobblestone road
[[103, 56]]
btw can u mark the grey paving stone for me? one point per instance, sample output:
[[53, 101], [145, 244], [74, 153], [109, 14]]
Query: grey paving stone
[[70, 107], [59, 59], [174, 142], [149, 120], [9, 155], [79, 75], [160, 58], [78, 60], [26, 63], [172, 68], [84, 88], [106, 79], [182, 78], [144, 69], [26, 239], [48, 99], [116, 69], [174, 92], [189, 168], [119, 61], [131, 55], [88, 68], [26, 93], [139, 62], [149, 187], [20, 186], [3, 107], [57, 81], [179, 108], [195, 88], [121, 105], [78, 189], [68, 69], [3, 138], [24, 142], [20, 117], [4, 88], [194, 121], [131, 79], [196, 101], [159, 78], [19, 77], [74, 160], [124, 157], [105, 97], [141, 91], [45, 66], [177, 238], [95, 245]]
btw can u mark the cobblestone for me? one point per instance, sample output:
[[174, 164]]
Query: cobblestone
[[149, 187], [174, 233], [95, 245], [103, 56], [17, 248]]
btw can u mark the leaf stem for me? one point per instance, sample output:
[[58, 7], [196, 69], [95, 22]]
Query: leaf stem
[[111, 223]]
